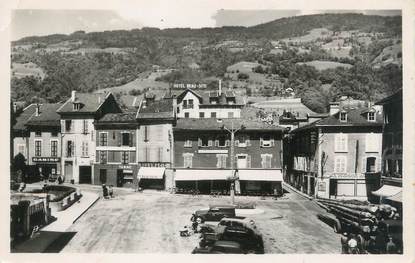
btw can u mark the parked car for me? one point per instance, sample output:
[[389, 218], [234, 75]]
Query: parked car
[[242, 231], [213, 213], [220, 247]]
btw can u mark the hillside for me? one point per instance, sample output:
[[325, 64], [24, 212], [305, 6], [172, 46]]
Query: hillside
[[301, 53]]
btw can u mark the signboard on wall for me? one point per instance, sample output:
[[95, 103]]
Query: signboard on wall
[[189, 86], [321, 187], [213, 151], [153, 164], [46, 159]]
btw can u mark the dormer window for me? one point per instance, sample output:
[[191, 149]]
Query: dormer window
[[343, 116], [76, 106], [371, 116]]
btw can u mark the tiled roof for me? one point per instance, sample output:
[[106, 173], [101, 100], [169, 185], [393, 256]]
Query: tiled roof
[[216, 124], [159, 109], [289, 105], [355, 117], [22, 119], [90, 102], [126, 117], [129, 102], [47, 116]]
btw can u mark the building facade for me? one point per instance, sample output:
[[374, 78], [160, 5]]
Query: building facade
[[205, 158], [392, 166], [116, 152], [77, 117], [338, 157]]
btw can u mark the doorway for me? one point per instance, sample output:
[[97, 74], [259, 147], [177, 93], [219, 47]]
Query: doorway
[[68, 171], [242, 161], [85, 175]]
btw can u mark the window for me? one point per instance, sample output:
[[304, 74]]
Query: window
[[343, 116], [38, 148], [125, 157], [213, 114], [85, 152], [266, 160], [188, 143], [340, 164], [146, 133], [187, 163], [222, 141], [77, 106], [53, 148], [372, 142], [221, 160], [230, 114], [85, 126], [190, 104], [243, 141], [54, 133], [201, 115], [68, 125], [186, 115], [370, 164], [266, 141], [204, 142], [70, 148], [371, 116], [38, 133], [125, 139], [103, 176], [103, 156], [243, 161], [340, 142], [103, 139], [178, 109]]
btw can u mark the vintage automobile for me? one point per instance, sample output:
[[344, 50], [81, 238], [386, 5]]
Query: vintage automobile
[[237, 221], [220, 247], [213, 213], [242, 231]]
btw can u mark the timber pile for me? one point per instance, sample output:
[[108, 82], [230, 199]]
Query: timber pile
[[357, 213]]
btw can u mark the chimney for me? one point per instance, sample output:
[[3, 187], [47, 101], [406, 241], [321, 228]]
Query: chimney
[[37, 110], [334, 108], [73, 95], [220, 87]]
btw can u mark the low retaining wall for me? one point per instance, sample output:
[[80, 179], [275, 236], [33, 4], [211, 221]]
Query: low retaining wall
[[65, 202]]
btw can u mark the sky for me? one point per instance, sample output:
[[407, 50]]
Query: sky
[[156, 13]]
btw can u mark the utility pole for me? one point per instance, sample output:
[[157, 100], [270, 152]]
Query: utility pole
[[233, 178]]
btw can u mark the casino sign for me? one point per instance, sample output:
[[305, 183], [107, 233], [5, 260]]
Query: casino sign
[[46, 159]]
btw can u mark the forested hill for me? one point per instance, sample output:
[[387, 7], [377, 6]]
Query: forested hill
[[280, 28], [319, 57]]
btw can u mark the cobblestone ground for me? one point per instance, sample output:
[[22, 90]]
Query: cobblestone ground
[[149, 222]]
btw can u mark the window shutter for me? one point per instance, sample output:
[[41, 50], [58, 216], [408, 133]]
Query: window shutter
[[218, 161], [260, 141], [73, 149], [236, 143], [97, 156], [130, 139], [248, 161], [272, 142], [263, 161], [199, 142], [216, 143], [210, 143], [227, 143], [248, 142], [119, 138], [378, 164]]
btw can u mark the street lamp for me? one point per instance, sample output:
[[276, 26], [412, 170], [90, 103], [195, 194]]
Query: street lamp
[[233, 178]]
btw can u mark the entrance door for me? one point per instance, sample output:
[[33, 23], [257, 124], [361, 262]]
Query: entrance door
[[85, 175], [120, 178], [242, 161], [68, 171], [370, 164]]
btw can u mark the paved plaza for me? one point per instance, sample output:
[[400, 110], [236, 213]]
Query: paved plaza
[[149, 222]]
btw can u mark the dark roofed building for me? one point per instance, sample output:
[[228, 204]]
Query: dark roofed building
[[337, 157], [160, 109]]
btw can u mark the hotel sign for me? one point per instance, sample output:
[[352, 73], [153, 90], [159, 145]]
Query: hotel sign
[[150, 164], [189, 86], [213, 151], [46, 159]]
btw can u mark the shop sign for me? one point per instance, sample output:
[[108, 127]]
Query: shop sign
[[347, 176], [213, 151], [46, 159], [149, 164], [124, 166]]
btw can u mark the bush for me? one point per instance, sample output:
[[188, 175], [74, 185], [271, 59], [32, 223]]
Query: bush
[[243, 76]]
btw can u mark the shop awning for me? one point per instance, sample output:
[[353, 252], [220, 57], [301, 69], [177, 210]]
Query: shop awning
[[260, 175], [151, 172], [396, 198], [387, 191], [200, 175]]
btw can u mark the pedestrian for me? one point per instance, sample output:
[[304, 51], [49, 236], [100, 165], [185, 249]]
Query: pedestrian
[[391, 247], [111, 191], [105, 191], [343, 240]]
